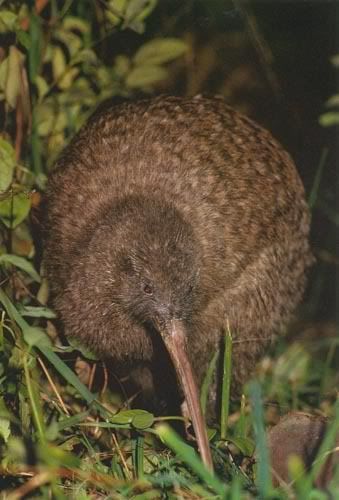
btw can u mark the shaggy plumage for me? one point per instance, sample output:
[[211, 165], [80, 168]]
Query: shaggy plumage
[[175, 208]]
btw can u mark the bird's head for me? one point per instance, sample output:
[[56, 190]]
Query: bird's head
[[159, 274], [150, 267]]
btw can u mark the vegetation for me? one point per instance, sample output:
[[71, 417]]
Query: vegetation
[[63, 433]]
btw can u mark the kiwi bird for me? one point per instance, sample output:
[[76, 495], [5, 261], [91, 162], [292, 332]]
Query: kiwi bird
[[166, 219]]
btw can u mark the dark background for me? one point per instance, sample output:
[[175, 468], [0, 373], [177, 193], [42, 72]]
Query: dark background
[[271, 59]]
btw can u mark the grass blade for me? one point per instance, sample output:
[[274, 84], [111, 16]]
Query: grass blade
[[67, 373], [207, 382], [12, 311], [189, 456], [138, 457], [264, 473], [34, 400], [241, 427], [21, 263], [57, 362], [226, 383]]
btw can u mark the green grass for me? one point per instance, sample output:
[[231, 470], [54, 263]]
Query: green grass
[[81, 445]]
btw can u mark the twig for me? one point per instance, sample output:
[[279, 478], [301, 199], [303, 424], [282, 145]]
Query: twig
[[95, 478], [91, 376], [105, 384], [53, 386], [34, 483], [122, 458]]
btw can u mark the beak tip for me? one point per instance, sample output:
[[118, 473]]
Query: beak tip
[[175, 341]]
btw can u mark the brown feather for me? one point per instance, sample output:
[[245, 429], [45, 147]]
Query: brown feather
[[193, 199]]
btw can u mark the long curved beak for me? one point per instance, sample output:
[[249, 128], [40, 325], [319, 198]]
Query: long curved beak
[[174, 338]]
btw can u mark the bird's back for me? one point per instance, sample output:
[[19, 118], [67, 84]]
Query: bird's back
[[228, 177]]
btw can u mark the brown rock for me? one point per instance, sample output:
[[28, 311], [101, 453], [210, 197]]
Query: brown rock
[[299, 434]]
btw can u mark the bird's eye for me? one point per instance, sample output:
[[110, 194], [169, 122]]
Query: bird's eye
[[148, 290], [127, 265]]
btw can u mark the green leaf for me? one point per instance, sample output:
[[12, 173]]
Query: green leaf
[[49, 120], [5, 429], [7, 21], [52, 431], [45, 118], [137, 11], [159, 51], [335, 60], [75, 23], [24, 39], [13, 77], [245, 445], [69, 76], [36, 336], [135, 25], [140, 419], [42, 86], [329, 119], [143, 420], [115, 7], [333, 100], [15, 209], [58, 62], [21, 263], [145, 76], [6, 414], [3, 73], [85, 55], [121, 65], [36, 312], [124, 417], [84, 351], [134, 8], [16, 450], [7, 164], [72, 41]]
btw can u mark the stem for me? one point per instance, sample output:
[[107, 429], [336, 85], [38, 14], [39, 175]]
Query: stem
[[226, 383]]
